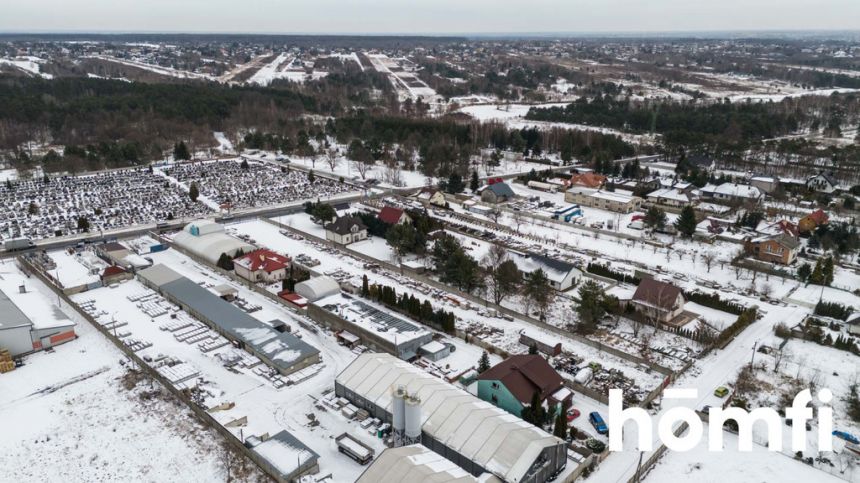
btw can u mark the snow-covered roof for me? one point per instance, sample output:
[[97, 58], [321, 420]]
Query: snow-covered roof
[[555, 270], [738, 190], [417, 463], [670, 194], [207, 240], [494, 439], [286, 453], [317, 288], [12, 315]]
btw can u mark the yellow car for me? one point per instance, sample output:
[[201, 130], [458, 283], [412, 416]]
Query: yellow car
[[721, 391]]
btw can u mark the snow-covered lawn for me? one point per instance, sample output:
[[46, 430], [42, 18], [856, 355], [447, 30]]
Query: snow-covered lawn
[[71, 406]]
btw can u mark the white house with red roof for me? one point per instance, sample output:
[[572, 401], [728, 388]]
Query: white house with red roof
[[262, 265], [393, 216]]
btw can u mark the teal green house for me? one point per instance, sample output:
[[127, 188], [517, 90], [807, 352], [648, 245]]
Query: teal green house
[[511, 384]]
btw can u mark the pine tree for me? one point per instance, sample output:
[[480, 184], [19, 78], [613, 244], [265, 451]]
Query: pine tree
[[474, 184], [817, 276], [365, 290], [560, 429], [533, 349], [827, 271], [193, 192], [311, 176], [483, 363], [686, 222], [803, 272], [181, 152]]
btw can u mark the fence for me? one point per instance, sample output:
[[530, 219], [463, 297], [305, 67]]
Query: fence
[[202, 415]]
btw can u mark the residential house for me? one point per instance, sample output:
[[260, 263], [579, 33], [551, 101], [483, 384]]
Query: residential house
[[346, 230], [810, 222], [774, 249], [658, 300], [821, 182], [562, 275], [605, 200], [393, 216], [587, 180], [780, 227], [262, 265], [732, 193], [512, 383], [497, 193], [853, 324], [766, 184], [672, 197], [432, 196]]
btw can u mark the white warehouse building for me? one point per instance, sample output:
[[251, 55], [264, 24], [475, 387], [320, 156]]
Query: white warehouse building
[[473, 434], [208, 240]]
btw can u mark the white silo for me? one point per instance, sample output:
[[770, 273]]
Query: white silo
[[413, 420], [398, 413]]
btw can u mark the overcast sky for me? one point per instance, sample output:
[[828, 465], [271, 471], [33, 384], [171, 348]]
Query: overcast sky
[[424, 16]]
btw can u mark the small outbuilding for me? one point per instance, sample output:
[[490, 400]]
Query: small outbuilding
[[317, 288]]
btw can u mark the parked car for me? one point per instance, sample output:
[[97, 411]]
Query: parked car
[[721, 391], [846, 436], [597, 422], [572, 414]]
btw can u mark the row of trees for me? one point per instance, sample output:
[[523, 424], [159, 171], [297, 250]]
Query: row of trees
[[422, 311]]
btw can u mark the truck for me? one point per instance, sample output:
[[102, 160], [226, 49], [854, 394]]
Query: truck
[[538, 185], [15, 244], [355, 449]]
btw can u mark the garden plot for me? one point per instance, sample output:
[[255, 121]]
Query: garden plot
[[108, 200], [227, 184]]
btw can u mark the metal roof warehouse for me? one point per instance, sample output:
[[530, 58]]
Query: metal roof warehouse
[[281, 350], [473, 434]]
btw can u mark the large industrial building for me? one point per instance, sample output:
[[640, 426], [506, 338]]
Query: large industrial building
[[281, 350], [414, 463], [208, 240], [377, 329], [473, 434], [21, 335]]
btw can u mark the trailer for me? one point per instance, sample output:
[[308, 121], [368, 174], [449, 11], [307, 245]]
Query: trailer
[[16, 244], [354, 448], [539, 185]]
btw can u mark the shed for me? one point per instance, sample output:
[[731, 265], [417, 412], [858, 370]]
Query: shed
[[317, 288]]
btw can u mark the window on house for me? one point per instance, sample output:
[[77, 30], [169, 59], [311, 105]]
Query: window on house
[[495, 385], [494, 399]]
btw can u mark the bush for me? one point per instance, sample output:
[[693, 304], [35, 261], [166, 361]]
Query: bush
[[607, 272], [714, 301], [833, 309], [744, 320]]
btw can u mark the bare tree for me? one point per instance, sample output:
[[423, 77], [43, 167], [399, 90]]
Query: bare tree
[[495, 214], [708, 257], [518, 219], [331, 158], [362, 168], [779, 355]]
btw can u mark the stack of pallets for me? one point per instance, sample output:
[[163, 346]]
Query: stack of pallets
[[6, 362]]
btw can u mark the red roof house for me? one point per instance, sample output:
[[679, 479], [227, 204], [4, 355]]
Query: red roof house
[[393, 216], [587, 180], [262, 265]]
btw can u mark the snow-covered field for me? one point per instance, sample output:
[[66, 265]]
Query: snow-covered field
[[70, 406]]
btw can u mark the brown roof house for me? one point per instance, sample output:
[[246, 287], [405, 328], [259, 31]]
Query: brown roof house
[[774, 249], [810, 222], [512, 383], [587, 180], [346, 230], [659, 301]]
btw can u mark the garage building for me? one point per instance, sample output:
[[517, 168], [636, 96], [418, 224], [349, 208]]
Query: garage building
[[20, 335]]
